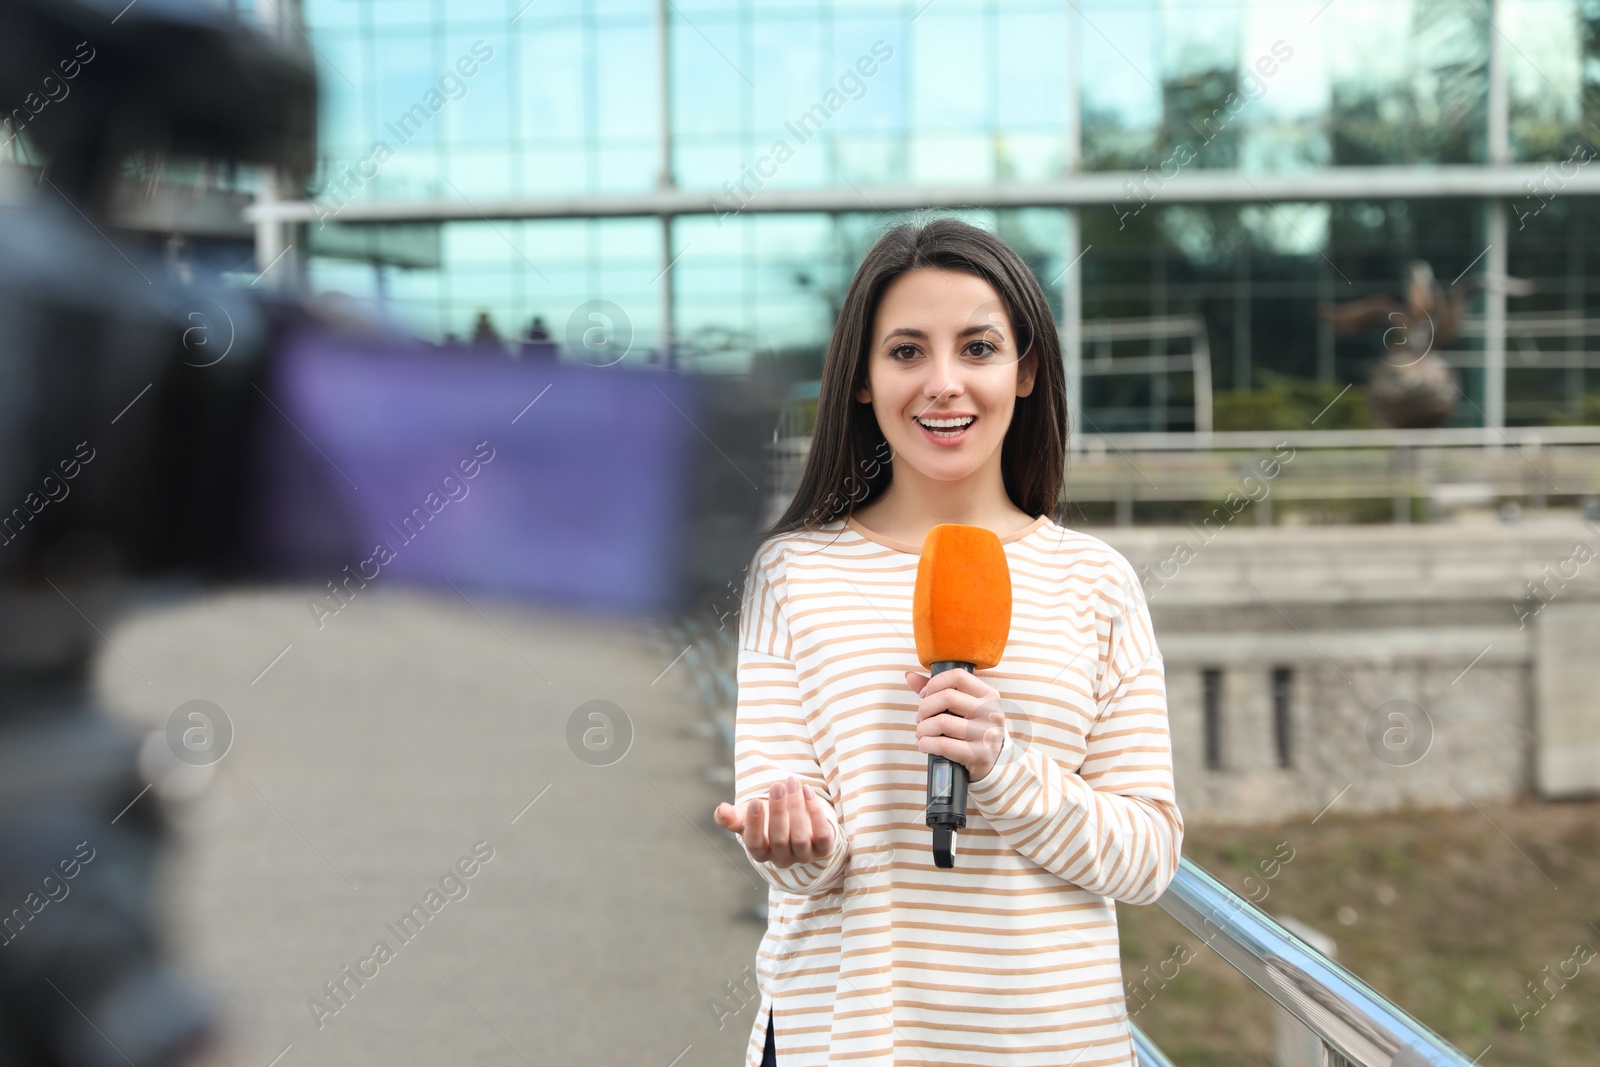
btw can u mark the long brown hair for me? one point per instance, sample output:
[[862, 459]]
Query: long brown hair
[[848, 452]]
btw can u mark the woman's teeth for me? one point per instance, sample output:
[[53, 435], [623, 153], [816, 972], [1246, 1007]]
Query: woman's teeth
[[947, 427]]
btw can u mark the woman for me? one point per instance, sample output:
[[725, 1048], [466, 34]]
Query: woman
[[942, 401]]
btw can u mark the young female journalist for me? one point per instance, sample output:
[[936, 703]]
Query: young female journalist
[[942, 401]]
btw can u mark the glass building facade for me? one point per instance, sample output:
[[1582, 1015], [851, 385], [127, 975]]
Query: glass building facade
[[557, 107]]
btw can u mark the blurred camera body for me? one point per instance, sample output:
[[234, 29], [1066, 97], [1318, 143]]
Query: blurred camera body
[[117, 438]]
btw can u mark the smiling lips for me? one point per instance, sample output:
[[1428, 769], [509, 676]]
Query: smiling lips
[[946, 429]]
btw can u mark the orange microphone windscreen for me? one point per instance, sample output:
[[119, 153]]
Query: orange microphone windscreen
[[962, 606]]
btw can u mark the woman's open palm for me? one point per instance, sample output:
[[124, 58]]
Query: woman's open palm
[[788, 827]]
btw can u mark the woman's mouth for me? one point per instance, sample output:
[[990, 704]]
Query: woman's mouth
[[950, 430]]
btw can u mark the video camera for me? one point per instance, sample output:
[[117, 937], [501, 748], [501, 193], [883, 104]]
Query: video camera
[[117, 461]]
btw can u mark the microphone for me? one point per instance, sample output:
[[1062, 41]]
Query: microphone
[[961, 613]]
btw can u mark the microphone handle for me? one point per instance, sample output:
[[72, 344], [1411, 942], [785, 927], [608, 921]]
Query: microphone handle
[[947, 789]]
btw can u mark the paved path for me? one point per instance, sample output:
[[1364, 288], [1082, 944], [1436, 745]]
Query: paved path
[[369, 759]]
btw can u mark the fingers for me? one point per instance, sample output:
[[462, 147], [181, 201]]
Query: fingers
[[960, 728], [821, 828], [755, 831], [802, 828], [961, 705], [969, 742], [749, 824], [791, 823], [958, 717], [958, 679], [788, 826], [957, 691], [779, 805], [994, 731], [728, 817]]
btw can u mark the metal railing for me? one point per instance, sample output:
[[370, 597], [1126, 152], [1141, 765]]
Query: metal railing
[[1444, 468], [1147, 1051], [1101, 336], [1356, 1025]]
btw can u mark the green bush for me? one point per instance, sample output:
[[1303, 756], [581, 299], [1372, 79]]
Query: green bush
[[1589, 417], [1287, 403]]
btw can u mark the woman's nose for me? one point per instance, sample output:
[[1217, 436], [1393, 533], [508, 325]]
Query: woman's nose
[[944, 378]]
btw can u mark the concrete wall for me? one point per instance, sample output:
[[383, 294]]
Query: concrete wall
[[1431, 665], [1566, 692]]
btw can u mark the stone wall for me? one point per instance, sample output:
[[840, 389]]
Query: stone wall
[[1430, 665]]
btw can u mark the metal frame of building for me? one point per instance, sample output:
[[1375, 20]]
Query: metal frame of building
[[1091, 189]]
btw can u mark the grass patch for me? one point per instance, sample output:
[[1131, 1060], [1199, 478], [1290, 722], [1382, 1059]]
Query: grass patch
[[1435, 910]]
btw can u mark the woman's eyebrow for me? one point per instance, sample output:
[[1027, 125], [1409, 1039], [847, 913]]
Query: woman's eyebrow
[[909, 331]]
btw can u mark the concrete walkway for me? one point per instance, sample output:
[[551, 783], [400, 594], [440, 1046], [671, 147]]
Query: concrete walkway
[[368, 759]]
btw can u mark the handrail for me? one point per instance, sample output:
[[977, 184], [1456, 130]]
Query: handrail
[[1351, 1018], [1464, 437], [1149, 1053], [1445, 437], [1102, 333], [1140, 329], [1532, 324]]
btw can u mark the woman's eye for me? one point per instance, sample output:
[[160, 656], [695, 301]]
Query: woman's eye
[[980, 349]]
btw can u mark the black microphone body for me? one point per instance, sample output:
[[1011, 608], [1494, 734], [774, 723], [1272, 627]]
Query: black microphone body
[[947, 788]]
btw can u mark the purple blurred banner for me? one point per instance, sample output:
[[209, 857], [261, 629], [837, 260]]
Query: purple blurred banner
[[555, 481]]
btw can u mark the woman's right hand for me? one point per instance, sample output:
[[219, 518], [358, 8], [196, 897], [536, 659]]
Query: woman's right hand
[[797, 831]]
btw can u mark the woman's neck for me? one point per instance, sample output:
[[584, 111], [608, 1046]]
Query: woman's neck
[[904, 514]]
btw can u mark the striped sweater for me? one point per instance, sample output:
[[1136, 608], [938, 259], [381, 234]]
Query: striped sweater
[[875, 957]]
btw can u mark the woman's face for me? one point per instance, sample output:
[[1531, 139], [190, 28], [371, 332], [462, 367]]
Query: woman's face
[[942, 347]]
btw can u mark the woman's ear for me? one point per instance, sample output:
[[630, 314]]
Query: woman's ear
[[1027, 368], [864, 394]]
